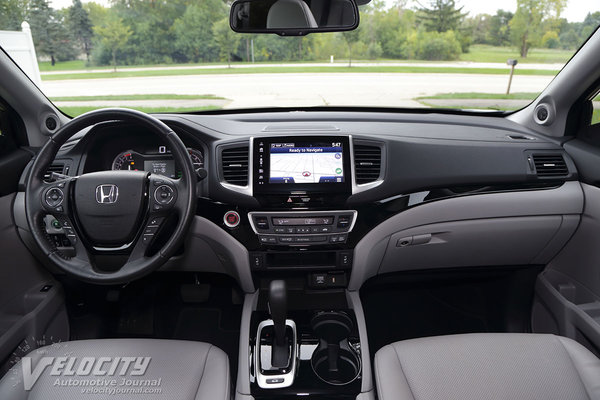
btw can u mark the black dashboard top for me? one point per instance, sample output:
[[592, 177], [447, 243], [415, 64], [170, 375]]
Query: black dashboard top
[[418, 151]]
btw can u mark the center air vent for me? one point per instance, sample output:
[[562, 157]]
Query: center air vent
[[234, 164], [550, 165], [367, 163], [58, 168]]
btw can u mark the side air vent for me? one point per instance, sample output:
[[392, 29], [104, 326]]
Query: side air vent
[[367, 163], [234, 164], [550, 165], [58, 168]]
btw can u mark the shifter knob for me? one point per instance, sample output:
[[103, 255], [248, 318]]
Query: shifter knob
[[280, 354], [278, 309]]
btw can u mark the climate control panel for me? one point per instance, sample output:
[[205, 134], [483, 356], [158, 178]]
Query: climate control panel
[[301, 228]]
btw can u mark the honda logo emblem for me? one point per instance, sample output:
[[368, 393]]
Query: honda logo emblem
[[107, 194]]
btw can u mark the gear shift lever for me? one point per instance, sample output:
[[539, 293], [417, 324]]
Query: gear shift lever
[[278, 308]]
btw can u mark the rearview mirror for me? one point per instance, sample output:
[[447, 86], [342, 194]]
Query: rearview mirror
[[293, 17]]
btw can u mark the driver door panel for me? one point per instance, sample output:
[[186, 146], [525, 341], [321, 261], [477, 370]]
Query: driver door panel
[[32, 306]]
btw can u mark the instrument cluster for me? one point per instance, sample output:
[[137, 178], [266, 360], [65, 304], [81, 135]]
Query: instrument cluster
[[159, 162]]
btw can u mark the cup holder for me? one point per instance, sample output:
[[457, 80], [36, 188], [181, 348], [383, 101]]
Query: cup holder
[[334, 361]]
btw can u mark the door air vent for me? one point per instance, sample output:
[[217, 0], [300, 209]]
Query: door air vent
[[367, 163], [550, 165], [58, 168], [234, 165]]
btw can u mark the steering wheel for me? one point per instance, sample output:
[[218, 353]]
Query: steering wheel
[[111, 216]]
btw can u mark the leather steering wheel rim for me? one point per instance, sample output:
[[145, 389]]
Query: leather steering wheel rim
[[80, 266]]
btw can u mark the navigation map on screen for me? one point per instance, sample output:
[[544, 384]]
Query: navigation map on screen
[[290, 163]]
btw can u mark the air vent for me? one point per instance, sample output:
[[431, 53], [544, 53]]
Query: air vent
[[367, 163], [550, 165], [58, 168], [234, 164]]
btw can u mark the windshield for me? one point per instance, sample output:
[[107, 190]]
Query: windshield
[[182, 56]]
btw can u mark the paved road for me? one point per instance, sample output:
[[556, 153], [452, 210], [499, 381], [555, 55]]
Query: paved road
[[308, 89]]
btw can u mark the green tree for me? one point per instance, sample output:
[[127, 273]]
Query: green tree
[[441, 16], [527, 24], [96, 12], [226, 39], [498, 33], [351, 38], [12, 14], [194, 39], [113, 35], [50, 34], [81, 27], [569, 39]]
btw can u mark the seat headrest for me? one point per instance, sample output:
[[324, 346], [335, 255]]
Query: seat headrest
[[290, 14]]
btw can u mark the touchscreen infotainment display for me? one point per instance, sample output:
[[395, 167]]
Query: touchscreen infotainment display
[[319, 164], [292, 162]]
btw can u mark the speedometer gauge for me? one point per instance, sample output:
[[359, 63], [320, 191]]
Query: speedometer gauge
[[197, 158], [128, 160]]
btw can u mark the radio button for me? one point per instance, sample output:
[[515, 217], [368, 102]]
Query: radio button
[[267, 239], [338, 238], [262, 222], [303, 239], [344, 221]]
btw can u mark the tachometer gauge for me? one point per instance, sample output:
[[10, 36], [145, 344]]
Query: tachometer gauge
[[128, 160], [197, 158]]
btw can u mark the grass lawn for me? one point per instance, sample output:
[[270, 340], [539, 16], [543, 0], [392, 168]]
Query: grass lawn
[[75, 111], [62, 65], [484, 53], [299, 69], [493, 96], [475, 96], [140, 97]]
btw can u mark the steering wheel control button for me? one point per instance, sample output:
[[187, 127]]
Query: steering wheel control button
[[54, 197], [231, 219], [164, 194]]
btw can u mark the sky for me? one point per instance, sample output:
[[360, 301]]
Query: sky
[[575, 12]]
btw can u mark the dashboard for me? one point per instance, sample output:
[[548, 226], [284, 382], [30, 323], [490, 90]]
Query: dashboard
[[318, 192]]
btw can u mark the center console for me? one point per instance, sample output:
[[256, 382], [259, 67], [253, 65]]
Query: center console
[[306, 340], [302, 182], [296, 350]]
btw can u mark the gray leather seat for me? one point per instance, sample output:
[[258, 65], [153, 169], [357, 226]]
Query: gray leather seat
[[487, 367], [176, 370]]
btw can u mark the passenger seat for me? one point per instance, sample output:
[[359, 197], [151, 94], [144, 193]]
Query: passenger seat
[[487, 367]]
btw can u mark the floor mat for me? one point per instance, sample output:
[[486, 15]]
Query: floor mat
[[154, 308], [206, 325], [437, 303]]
